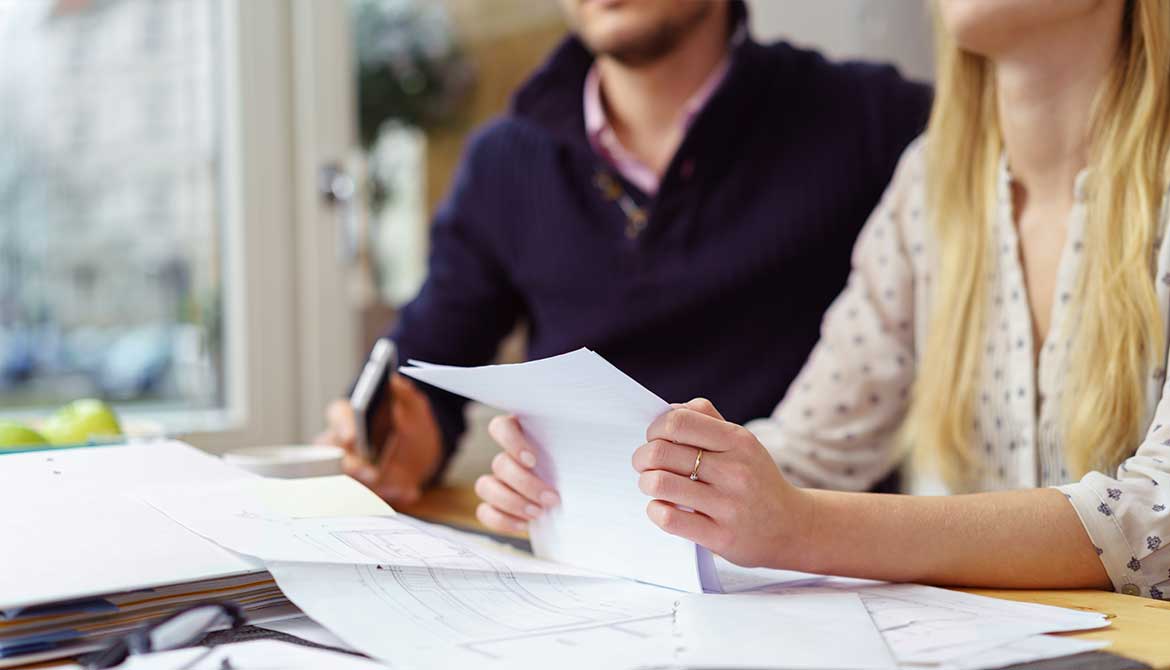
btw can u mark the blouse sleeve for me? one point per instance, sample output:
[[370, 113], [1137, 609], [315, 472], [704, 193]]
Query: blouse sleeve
[[834, 427], [1127, 517]]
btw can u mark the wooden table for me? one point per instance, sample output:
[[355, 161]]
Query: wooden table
[[1140, 626]]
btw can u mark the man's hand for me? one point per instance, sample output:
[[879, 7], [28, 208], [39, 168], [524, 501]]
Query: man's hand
[[409, 458]]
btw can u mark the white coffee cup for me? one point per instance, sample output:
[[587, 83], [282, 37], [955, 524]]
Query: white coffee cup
[[288, 461]]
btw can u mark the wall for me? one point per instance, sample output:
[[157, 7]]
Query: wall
[[895, 31]]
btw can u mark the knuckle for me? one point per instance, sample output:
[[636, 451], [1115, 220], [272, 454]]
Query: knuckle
[[703, 404], [660, 482], [675, 423], [658, 453], [742, 436], [653, 483], [670, 519], [500, 463], [644, 483]]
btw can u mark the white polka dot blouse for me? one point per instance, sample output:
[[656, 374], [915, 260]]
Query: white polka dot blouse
[[835, 427]]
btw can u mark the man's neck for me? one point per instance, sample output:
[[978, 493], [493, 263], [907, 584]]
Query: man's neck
[[644, 103], [1046, 93]]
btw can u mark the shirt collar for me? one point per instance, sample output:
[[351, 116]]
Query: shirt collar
[[604, 140]]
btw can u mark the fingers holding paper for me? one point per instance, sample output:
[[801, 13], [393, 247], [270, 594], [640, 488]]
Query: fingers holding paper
[[740, 506], [512, 495]]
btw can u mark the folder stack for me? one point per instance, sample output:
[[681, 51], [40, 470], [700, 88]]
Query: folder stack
[[84, 560], [55, 630]]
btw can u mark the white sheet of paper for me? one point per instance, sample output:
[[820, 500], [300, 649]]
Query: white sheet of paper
[[253, 517], [813, 630], [81, 536], [928, 626], [251, 655], [1028, 650], [738, 579], [586, 418], [439, 618]]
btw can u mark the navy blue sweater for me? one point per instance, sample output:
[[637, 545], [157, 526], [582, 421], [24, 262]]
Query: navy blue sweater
[[722, 294]]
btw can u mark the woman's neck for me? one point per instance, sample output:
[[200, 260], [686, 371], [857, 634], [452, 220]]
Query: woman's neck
[[1046, 90]]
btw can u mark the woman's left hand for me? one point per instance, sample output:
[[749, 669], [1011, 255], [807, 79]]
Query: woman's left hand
[[744, 509]]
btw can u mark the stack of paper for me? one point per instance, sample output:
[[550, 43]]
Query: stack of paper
[[83, 562], [411, 593], [418, 595]]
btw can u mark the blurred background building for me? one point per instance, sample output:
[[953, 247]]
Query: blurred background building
[[164, 240], [109, 202]]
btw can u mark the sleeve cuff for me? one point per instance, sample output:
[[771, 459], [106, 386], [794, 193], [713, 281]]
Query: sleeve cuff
[[1118, 558]]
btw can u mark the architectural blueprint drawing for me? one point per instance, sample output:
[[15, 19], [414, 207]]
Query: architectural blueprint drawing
[[432, 618], [236, 516]]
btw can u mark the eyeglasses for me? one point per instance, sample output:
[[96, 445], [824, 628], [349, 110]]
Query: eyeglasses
[[181, 629]]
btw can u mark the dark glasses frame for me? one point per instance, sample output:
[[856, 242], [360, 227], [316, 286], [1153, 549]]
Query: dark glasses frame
[[181, 629]]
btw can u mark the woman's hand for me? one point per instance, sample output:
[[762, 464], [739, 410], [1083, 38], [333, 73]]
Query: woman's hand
[[744, 509], [512, 495]]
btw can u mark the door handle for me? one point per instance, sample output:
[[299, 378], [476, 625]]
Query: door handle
[[339, 190]]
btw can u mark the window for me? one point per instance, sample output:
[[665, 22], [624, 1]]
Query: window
[[111, 225]]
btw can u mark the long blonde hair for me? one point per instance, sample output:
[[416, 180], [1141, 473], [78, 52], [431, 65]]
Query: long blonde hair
[[1119, 327]]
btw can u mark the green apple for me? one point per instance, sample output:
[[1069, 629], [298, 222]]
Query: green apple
[[15, 435], [82, 421]]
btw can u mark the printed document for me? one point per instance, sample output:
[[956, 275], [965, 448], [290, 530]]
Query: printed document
[[415, 617], [586, 418]]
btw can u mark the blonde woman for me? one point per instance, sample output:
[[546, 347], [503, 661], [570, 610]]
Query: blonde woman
[[1006, 316]]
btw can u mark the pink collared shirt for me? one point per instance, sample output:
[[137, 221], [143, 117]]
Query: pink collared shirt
[[605, 141]]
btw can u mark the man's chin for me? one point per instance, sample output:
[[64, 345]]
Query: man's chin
[[634, 35], [632, 49]]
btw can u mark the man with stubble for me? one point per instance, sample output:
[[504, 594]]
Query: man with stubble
[[661, 173]]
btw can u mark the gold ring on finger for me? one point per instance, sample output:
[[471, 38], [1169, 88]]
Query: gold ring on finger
[[695, 470]]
